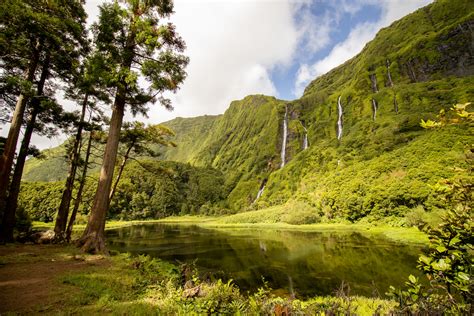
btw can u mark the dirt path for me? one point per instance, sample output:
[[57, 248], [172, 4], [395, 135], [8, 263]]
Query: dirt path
[[29, 275]]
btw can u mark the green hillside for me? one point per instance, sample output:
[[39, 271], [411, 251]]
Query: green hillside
[[384, 163], [51, 167], [190, 133]]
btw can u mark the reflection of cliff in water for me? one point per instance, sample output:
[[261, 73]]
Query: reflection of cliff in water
[[310, 263]]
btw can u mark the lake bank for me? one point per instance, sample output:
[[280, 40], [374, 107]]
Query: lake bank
[[398, 234], [409, 235], [88, 284]]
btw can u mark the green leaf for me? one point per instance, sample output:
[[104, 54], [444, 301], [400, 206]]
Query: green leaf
[[425, 259], [412, 278], [441, 265], [463, 276]]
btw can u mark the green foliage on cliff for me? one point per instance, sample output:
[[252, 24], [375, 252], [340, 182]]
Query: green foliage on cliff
[[385, 165]]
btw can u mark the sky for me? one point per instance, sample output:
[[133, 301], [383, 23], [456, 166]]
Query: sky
[[272, 47]]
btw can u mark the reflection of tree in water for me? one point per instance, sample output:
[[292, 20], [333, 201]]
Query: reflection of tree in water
[[300, 263]]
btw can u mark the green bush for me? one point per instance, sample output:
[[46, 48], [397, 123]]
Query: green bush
[[23, 222], [299, 212]]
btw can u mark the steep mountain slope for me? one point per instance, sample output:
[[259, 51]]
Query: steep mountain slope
[[243, 143], [384, 163], [51, 167], [190, 134], [368, 157]]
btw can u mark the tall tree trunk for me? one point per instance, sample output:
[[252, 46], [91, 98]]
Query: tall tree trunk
[[6, 159], [12, 200], [82, 182], [63, 211], [93, 239], [14, 190], [119, 175]]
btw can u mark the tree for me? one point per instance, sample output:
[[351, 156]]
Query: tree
[[42, 116], [135, 41], [448, 262], [94, 135], [36, 33], [90, 88], [138, 139]]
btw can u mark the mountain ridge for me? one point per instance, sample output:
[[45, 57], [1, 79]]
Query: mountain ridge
[[410, 71]]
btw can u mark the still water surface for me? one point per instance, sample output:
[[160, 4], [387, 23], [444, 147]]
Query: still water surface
[[292, 262]]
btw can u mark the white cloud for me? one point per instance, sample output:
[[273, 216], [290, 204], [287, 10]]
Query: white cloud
[[232, 47], [357, 38]]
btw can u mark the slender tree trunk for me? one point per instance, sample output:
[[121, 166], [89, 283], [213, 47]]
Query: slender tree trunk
[[12, 200], [82, 182], [14, 190], [63, 211], [119, 175], [93, 239], [6, 159]]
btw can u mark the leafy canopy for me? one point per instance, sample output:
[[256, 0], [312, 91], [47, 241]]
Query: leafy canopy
[[140, 47]]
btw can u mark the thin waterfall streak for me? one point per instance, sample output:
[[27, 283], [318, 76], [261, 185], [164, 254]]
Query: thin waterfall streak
[[389, 75], [260, 192], [339, 120], [374, 109], [305, 138], [290, 285], [285, 135]]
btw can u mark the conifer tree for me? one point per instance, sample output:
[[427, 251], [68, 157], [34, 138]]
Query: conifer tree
[[36, 34], [138, 41], [89, 88]]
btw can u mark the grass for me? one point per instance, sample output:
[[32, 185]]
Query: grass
[[140, 285], [268, 219], [275, 217]]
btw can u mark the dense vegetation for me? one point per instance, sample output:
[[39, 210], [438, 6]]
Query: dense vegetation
[[375, 155], [148, 189], [385, 166]]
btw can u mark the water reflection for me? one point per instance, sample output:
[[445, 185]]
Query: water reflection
[[299, 263]]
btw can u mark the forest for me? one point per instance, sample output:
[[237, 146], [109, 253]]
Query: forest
[[355, 198]]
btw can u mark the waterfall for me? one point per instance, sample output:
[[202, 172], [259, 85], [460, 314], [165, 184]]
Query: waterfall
[[305, 138], [290, 287], [260, 192], [339, 120], [285, 135], [373, 79], [374, 109]]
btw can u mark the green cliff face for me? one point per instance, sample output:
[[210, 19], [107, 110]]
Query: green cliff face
[[384, 163], [243, 143]]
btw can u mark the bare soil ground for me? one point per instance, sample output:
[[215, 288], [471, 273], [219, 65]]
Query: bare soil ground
[[29, 275]]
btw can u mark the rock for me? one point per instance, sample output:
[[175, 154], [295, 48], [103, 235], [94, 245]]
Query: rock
[[43, 237], [192, 292]]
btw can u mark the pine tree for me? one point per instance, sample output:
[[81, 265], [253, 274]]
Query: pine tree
[[35, 34], [132, 36], [88, 87]]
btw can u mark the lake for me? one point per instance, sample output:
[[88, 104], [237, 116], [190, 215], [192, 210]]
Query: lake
[[295, 263]]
